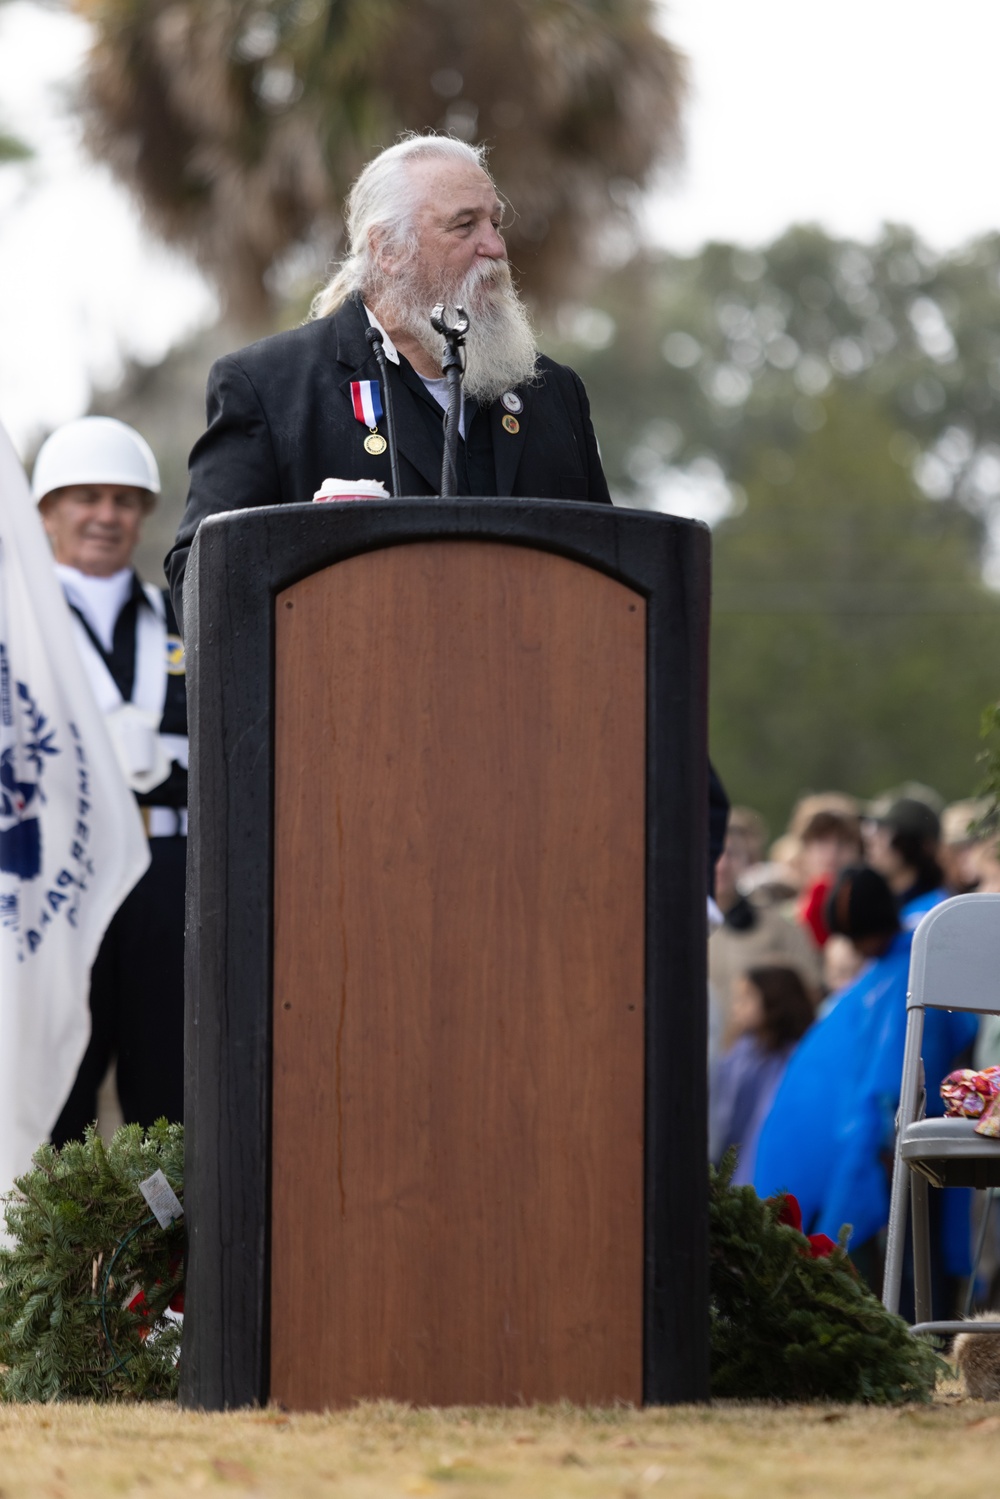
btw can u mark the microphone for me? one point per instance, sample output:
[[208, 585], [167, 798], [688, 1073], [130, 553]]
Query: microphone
[[453, 368], [374, 337]]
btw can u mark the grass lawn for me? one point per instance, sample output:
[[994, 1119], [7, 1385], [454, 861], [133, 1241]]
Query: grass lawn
[[746, 1451]]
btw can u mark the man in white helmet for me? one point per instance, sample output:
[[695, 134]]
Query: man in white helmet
[[95, 480]]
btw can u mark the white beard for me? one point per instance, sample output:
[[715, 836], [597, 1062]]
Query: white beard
[[500, 344]]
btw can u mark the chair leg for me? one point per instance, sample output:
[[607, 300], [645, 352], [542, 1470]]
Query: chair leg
[[984, 1227], [921, 1248], [910, 1109], [896, 1243]]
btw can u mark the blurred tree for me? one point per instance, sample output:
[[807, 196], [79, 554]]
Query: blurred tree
[[12, 149], [239, 124], [840, 403], [693, 362], [853, 641]]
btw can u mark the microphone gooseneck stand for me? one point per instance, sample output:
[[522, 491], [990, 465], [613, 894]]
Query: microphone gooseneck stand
[[453, 368], [374, 337]]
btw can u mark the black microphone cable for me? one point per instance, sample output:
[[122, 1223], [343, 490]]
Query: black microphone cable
[[374, 337]]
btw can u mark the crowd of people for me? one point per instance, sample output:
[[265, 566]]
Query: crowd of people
[[807, 993]]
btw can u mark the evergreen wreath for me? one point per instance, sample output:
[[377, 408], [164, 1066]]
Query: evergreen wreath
[[792, 1320], [88, 1278], [86, 1283]]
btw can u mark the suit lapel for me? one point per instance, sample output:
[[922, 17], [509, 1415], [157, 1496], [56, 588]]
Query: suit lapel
[[412, 439], [509, 446]]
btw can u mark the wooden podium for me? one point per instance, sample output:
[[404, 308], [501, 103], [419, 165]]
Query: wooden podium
[[446, 1097]]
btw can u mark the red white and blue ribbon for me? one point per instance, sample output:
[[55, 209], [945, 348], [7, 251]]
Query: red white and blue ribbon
[[367, 399]]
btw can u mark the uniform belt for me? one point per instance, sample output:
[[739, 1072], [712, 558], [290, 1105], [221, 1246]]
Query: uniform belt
[[165, 822]]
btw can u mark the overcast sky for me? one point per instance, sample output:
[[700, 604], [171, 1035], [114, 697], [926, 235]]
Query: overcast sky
[[848, 115]]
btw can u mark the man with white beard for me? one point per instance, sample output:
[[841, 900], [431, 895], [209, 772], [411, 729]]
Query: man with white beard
[[423, 227]]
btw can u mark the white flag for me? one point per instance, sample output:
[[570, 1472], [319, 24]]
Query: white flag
[[71, 837]]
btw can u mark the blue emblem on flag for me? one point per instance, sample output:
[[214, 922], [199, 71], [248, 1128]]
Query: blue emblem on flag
[[22, 762]]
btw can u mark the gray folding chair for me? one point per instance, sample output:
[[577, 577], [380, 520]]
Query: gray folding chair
[[954, 965]]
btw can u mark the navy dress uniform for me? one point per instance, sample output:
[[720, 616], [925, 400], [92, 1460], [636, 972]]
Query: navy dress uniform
[[94, 480]]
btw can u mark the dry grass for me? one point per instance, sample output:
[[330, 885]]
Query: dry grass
[[743, 1451]]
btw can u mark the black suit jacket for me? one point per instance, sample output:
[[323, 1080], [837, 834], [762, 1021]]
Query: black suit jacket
[[281, 420]]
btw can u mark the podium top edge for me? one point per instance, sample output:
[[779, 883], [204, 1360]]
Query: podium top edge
[[458, 505], [260, 550]]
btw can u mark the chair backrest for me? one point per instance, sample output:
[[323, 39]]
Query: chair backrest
[[955, 961]]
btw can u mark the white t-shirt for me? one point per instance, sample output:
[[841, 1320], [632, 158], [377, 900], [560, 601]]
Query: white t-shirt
[[439, 390]]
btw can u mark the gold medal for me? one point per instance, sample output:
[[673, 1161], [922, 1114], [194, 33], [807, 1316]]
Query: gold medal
[[375, 442], [509, 424]]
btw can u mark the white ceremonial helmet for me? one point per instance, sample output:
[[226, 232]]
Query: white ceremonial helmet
[[94, 450]]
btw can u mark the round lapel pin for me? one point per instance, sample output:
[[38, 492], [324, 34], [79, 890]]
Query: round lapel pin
[[511, 424], [510, 401]]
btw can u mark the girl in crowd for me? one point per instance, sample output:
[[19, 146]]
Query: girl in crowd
[[771, 1010]]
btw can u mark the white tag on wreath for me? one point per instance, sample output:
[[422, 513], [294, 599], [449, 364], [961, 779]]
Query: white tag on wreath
[[164, 1203]]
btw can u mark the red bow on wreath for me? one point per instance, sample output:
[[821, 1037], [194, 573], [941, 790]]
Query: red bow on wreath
[[820, 1245], [140, 1306]]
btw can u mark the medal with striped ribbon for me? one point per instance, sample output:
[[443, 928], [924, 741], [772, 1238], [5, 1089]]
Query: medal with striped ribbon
[[367, 401]]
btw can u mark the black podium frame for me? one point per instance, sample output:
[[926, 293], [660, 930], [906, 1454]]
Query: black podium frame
[[238, 563]]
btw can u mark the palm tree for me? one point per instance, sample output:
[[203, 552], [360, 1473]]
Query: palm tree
[[239, 124]]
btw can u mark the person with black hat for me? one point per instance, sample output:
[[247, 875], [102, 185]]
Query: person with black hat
[[829, 1135]]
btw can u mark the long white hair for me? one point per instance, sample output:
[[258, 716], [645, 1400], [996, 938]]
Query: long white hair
[[383, 198]]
